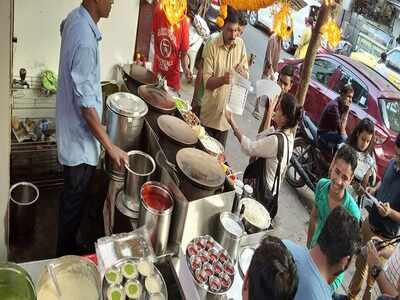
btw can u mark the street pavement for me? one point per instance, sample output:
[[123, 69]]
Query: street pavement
[[293, 213]]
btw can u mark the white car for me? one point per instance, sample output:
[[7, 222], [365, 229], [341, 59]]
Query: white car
[[264, 17]]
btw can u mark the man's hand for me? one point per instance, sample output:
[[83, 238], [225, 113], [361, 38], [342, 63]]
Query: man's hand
[[371, 190], [188, 74], [118, 156], [384, 209], [227, 78], [241, 70], [372, 255]]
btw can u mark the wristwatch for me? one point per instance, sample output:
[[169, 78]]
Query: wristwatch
[[375, 271]]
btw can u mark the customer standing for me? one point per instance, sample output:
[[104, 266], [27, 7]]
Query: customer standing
[[301, 50], [223, 55], [338, 242], [78, 110], [171, 44], [272, 150], [271, 61], [383, 220]]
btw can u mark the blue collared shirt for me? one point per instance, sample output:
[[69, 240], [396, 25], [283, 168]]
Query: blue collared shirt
[[389, 191], [78, 86]]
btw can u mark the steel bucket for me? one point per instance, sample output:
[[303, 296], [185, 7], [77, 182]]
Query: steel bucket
[[124, 128], [22, 206], [229, 232], [137, 172], [156, 220]]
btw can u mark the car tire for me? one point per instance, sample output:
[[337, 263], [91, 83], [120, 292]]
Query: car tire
[[287, 45], [253, 18]]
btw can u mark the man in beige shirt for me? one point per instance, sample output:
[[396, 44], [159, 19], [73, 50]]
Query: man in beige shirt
[[223, 55]]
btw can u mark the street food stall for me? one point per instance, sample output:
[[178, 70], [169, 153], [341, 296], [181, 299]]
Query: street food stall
[[189, 235]]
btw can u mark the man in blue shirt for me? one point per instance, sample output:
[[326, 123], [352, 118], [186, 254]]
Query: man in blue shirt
[[78, 111], [383, 220], [339, 240]]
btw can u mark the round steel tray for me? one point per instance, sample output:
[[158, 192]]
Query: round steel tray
[[145, 294]]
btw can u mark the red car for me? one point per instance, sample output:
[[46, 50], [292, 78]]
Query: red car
[[374, 97]]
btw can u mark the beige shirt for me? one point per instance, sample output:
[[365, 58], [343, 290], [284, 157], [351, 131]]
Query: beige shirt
[[267, 147], [217, 60]]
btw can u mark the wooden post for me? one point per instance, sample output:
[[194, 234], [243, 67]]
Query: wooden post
[[313, 46]]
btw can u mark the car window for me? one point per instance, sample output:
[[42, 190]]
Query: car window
[[393, 60], [391, 114], [360, 90], [323, 70]]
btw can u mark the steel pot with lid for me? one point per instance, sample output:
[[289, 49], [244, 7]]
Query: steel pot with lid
[[176, 134], [125, 119], [202, 175]]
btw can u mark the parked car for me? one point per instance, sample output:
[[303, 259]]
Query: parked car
[[195, 7], [391, 67], [264, 17], [375, 97]]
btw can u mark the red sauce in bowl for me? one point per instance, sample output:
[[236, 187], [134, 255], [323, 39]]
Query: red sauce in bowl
[[156, 198]]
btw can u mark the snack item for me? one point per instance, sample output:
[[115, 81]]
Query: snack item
[[113, 276], [153, 284], [145, 268], [157, 296], [215, 283], [115, 292], [129, 270], [133, 289], [191, 118]]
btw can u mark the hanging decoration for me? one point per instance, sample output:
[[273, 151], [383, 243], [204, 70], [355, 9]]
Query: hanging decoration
[[282, 23], [240, 5], [331, 32], [175, 10]]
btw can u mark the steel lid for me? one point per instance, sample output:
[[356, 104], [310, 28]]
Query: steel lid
[[157, 98], [127, 105], [200, 167], [177, 129], [139, 73]]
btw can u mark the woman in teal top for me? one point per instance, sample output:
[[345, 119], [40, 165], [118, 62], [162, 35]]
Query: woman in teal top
[[331, 193]]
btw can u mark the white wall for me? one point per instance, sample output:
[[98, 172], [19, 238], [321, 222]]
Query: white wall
[[37, 24], [5, 116]]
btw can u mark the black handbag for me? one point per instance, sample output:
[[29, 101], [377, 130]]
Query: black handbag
[[255, 174]]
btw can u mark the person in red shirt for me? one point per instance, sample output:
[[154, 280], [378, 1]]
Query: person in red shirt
[[171, 44]]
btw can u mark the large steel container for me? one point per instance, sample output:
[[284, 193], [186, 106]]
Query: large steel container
[[125, 118], [22, 205], [156, 209]]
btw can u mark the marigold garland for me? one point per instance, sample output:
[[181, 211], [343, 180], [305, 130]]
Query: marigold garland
[[282, 23], [175, 10], [332, 33], [240, 5]]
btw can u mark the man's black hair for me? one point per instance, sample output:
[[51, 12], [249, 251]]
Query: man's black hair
[[232, 17], [349, 155], [242, 18], [272, 273], [287, 70], [340, 237]]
